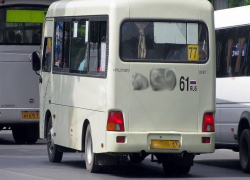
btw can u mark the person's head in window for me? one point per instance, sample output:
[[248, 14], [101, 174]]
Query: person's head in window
[[35, 38], [11, 37], [18, 38], [103, 39]]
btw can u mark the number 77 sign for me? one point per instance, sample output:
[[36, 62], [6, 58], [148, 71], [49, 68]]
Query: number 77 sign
[[193, 52]]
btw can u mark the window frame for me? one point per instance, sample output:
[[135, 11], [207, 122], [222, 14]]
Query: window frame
[[157, 60], [12, 28], [220, 73], [44, 52], [59, 69], [99, 55], [95, 74]]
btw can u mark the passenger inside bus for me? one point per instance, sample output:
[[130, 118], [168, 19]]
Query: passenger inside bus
[[82, 57], [18, 38], [232, 50], [10, 37], [35, 38]]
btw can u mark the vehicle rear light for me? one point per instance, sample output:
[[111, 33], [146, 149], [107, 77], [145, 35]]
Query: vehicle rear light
[[115, 121], [208, 123], [205, 139], [120, 139]]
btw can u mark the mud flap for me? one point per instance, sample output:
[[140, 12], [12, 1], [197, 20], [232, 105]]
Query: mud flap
[[105, 159]]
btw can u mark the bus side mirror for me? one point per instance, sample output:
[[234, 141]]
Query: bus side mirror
[[36, 62]]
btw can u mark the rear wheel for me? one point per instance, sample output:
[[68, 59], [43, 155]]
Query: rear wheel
[[89, 154], [170, 168], [19, 134], [33, 134], [136, 158], [53, 153], [245, 151], [183, 169], [32, 140]]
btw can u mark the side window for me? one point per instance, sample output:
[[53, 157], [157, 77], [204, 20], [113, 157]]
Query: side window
[[66, 45], [220, 50], [94, 45], [103, 48], [79, 46], [46, 63], [232, 45], [58, 44], [97, 51], [62, 46]]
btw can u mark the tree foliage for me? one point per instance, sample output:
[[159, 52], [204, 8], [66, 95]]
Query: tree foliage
[[236, 3]]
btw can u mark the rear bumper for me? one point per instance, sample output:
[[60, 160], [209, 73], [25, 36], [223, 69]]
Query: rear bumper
[[11, 116], [139, 141]]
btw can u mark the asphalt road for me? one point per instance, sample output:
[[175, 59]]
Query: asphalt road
[[30, 162]]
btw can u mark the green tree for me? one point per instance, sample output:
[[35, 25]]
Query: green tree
[[246, 2], [236, 3]]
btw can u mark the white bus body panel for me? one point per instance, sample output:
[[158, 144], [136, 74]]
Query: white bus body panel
[[157, 110], [147, 114], [32, 2], [232, 101], [232, 17], [83, 99], [19, 85], [45, 86]]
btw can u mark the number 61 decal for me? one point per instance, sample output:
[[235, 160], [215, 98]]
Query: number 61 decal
[[193, 52], [187, 85]]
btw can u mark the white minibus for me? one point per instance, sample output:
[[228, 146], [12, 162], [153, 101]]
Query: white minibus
[[20, 34], [126, 79], [232, 119]]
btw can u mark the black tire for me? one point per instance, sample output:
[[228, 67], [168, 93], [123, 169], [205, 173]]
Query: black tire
[[136, 158], [19, 134], [245, 151], [54, 155], [173, 169], [169, 168], [183, 169], [89, 155], [33, 133], [32, 140]]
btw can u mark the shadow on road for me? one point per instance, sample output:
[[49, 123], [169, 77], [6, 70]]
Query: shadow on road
[[128, 170], [225, 163], [75, 164], [6, 138], [146, 169], [6, 142]]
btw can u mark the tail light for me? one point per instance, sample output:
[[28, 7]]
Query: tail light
[[115, 121], [206, 140], [208, 123], [120, 139]]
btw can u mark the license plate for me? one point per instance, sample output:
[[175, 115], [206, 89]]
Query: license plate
[[30, 115], [164, 144]]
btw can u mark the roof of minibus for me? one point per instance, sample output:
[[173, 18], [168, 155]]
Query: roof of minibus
[[181, 9], [35, 2], [232, 17]]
